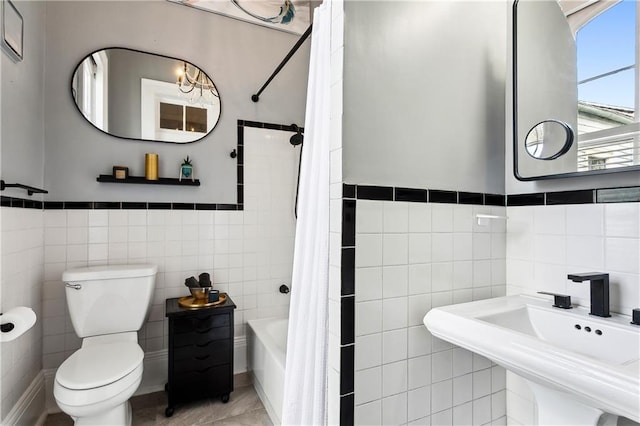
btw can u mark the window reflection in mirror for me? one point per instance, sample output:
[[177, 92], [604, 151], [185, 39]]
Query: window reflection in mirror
[[183, 118], [137, 95], [608, 88]]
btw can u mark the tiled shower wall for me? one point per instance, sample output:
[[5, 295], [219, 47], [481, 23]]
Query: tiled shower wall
[[411, 257], [546, 243], [248, 253], [22, 276]]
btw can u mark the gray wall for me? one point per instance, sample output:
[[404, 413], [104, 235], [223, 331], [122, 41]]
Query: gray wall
[[23, 105], [424, 94], [126, 68], [238, 56]]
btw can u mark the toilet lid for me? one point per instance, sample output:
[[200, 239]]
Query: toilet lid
[[99, 365]]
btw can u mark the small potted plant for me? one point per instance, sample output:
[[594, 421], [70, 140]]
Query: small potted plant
[[186, 169]]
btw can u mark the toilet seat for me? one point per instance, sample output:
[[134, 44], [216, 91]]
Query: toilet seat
[[99, 365], [96, 374], [83, 402]]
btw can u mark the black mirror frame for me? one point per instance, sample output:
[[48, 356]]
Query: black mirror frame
[[514, 53], [73, 97]]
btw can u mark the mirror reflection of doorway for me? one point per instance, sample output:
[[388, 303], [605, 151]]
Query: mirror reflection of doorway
[[168, 116]]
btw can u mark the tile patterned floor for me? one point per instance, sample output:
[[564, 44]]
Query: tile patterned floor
[[244, 408]]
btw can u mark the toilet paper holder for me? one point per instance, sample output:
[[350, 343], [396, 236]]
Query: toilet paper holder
[[5, 328], [17, 321]]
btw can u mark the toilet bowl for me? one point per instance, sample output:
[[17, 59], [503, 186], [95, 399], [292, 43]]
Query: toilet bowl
[[95, 383]]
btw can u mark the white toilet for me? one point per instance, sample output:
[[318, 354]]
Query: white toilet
[[107, 306]]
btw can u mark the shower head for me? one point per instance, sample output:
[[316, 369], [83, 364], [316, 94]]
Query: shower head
[[298, 138]]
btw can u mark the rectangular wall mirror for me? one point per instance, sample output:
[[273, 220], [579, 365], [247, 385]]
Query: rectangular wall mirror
[[576, 87]]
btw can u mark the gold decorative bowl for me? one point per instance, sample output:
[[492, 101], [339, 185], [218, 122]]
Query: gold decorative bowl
[[200, 294]]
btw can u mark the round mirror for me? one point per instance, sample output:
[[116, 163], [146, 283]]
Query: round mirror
[[137, 95], [549, 139]]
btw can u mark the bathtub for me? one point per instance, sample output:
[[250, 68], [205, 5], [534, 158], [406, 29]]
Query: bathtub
[[267, 347]]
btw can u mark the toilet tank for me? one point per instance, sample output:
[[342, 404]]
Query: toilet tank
[[109, 299]]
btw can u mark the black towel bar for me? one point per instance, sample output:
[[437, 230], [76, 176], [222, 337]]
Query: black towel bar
[[30, 189]]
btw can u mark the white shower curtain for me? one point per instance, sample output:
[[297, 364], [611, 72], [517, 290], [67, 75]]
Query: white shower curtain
[[306, 363]]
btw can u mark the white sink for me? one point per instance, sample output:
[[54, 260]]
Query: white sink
[[553, 349]]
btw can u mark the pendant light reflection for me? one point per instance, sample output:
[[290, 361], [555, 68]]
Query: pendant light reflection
[[196, 86]]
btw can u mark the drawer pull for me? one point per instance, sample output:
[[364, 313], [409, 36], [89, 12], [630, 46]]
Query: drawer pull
[[204, 345], [205, 331], [204, 369], [204, 318], [200, 358]]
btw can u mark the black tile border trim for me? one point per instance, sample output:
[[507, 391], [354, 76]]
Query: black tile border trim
[[348, 270], [138, 205], [348, 320], [495, 199], [381, 193], [20, 203], [526, 199], [347, 295], [471, 198], [348, 223], [270, 126], [586, 196], [439, 196], [347, 407], [348, 191], [422, 195], [347, 363], [411, 194]]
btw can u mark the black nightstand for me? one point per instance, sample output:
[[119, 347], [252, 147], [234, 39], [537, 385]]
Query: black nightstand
[[200, 352]]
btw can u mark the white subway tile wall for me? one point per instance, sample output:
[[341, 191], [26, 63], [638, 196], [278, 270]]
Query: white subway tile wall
[[22, 277], [546, 243], [410, 257], [248, 253]]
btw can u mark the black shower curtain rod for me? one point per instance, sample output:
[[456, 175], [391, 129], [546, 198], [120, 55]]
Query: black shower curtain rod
[[256, 97]]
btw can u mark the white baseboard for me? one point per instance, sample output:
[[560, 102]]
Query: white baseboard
[[50, 403], [30, 407], [239, 355], [154, 374], [271, 412]]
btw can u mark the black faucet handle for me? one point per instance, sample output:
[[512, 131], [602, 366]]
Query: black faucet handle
[[635, 316], [562, 301], [284, 289], [588, 276]]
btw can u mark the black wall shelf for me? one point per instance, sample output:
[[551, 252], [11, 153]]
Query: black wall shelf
[[142, 180]]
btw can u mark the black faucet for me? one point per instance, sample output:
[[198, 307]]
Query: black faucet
[[562, 301], [599, 291]]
